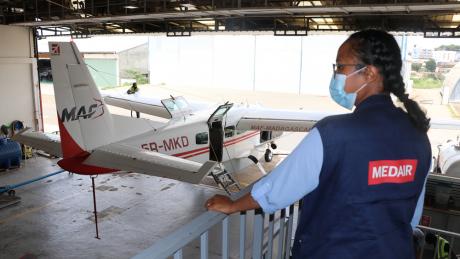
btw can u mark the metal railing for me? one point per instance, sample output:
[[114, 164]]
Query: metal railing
[[268, 230], [449, 236], [272, 235]]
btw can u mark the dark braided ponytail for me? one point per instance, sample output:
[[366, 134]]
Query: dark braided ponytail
[[380, 49]]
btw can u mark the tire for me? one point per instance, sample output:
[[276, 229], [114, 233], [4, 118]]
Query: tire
[[268, 155], [273, 145], [11, 192]]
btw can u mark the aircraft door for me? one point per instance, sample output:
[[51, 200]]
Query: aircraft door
[[216, 132], [216, 141]]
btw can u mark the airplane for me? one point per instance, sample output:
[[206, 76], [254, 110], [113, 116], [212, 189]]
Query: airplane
[[197, 140], [188, 147]]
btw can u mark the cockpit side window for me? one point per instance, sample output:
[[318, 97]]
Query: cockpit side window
[[201, 138], [229, 131]]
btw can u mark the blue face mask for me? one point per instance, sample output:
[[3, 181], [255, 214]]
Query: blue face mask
[[337, 90]]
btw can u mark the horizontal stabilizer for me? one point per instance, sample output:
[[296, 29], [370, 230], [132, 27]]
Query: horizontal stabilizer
[[126, 158], [452, 124], [50, 143]]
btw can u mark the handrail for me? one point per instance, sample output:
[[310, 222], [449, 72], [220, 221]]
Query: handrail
[[169, 245], [448, 233]]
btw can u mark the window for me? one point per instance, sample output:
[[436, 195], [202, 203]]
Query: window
[[201, 138], [229, 131]]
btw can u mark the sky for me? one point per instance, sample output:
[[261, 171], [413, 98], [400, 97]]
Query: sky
[[429, 43]]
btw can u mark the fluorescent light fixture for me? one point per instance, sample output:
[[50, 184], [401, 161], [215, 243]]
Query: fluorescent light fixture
[[17, 10], [319, 20], [307, 3], [334, 27], [456, 18], [329, 20], [208, 22], [212, 28], [317, 3], [130, 7], [190, 7], [121, 30], [324, 27]]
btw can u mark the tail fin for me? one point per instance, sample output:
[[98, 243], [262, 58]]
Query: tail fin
[[84, 120]]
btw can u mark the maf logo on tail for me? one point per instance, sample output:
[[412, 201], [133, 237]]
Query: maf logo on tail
[[55, 49], [93, 111]]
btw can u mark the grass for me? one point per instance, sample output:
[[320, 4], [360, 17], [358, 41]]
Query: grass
[[426, 83]]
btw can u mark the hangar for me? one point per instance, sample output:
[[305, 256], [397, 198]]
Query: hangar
[[50, 212]]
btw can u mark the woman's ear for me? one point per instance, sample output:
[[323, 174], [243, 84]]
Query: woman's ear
[[372, 74]]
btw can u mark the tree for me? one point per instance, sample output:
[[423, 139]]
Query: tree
[[416, 67], [140, 78], [430, 65], [451, 47]]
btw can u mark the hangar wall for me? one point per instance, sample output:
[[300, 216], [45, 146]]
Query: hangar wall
[[251, 62], [19, 77]]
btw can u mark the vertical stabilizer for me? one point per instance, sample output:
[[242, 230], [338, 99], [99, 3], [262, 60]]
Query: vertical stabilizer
[[84, 120]]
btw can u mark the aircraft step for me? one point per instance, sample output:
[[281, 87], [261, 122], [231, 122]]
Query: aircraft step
[[226, 180]]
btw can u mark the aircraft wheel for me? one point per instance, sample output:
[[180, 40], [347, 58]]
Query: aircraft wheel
[[273, 145], [11, 192], [268, 155]]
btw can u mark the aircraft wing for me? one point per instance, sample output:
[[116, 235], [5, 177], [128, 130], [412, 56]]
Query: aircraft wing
[[298, 121], [135, 102], [453, 124], [128, 158], [149, 105], [279, 120], [50, 143]]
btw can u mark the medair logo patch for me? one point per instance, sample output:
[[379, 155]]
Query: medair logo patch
[[391, 171]]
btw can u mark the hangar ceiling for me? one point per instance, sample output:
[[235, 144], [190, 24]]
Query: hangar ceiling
[[81, 18]]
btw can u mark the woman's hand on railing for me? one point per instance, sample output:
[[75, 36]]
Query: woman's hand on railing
[[220, 203], [224, 204]]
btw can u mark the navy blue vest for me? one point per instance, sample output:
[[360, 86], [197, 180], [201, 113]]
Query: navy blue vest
[[375, 163]]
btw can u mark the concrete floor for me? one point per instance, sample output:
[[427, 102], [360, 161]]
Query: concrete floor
[[55, 217]]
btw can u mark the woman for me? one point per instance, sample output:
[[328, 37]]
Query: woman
[[361, 174]]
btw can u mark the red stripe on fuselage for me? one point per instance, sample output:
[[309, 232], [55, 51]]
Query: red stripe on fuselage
[[204, 150]]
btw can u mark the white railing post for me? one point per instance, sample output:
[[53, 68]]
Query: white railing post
[[258, 238], [204, 245], [242, 234]]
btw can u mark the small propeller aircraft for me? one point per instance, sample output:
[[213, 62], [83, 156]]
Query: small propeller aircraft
[[197, 140]]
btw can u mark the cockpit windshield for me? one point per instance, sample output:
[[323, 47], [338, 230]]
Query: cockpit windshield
[[176, 106]]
